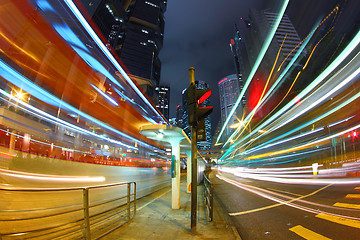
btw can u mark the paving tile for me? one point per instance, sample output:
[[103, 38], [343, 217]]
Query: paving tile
[[156, 220]]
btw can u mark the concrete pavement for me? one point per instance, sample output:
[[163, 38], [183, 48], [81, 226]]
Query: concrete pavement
[[155, 219]]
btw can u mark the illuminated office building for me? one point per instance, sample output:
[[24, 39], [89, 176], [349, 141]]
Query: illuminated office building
[[285, 35], [202, 145], [135, 30], [179, 114], [172, 121], [229, 90], [254, 30], [163, 93]]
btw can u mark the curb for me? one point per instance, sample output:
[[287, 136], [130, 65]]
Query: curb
[[225, 215]]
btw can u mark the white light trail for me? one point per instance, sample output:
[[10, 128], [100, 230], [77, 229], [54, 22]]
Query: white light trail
[[268, 195], [339, 60], [299, 177], [53, 119], [103, 48], [47, 177], [104, 95], [275, 85], [256, 65], [337, 86]]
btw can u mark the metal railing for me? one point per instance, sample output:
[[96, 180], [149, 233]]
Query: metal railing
[[102, 211], [209, 197]]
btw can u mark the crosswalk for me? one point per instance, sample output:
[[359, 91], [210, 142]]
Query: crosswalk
[[309, 234], [347, 205]]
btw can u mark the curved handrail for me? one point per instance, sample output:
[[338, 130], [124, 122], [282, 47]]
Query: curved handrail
[[118, 205]]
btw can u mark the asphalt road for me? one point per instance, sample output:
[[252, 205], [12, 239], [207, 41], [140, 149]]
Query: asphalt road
[[267, 210]]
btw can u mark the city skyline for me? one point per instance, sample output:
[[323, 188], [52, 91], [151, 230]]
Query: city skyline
[[202, 41]]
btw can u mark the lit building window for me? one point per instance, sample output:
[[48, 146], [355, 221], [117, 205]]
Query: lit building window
[[112, 13], [152, 4]]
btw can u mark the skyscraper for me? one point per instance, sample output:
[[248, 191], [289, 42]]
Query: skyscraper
[[285, 35], [135, 30], [163, 93], [179, 114], [254, 31], [229, 90], [172, 121], [235, 44], [202, 145], [283, 46]]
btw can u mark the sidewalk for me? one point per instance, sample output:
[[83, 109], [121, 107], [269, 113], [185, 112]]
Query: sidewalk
[[155, 219]]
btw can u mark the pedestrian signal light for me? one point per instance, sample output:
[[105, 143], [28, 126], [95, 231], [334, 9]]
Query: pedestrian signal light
[[196, 112]]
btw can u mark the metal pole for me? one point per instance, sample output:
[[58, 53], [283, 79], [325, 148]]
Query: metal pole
[[134, 199], [193, 179], [188, 172], [86, 213], [193, 165], [211, 214], [128, 202]]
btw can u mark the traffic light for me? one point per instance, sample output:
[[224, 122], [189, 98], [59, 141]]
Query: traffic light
[[197, 113]]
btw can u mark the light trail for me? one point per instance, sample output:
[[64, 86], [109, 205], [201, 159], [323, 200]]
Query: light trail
[[256, 65], [81, 49], [303, 179], [3, 36], [304, 146], [278, 81], [333, 110], [268, 144], [305, 65], [105, 96], [282, 76], [267, 194], [291, 155], [53, 119], [336, 87], [295, 172], [251, 115], [335, 10], [48, 177], [7, 155], [103, 48], [339, 60], [36, 141]]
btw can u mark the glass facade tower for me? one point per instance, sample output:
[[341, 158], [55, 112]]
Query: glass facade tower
[[135, 30], [202, 145], [163, 93], [229, 90]]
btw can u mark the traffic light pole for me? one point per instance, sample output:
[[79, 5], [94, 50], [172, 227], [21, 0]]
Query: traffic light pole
[[193, 179], [193, 165], [196, 118]]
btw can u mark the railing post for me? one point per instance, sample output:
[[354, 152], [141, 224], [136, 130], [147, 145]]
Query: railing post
[[86, 213], [211, 202], [208, 195], [128, 201], [134, 199]]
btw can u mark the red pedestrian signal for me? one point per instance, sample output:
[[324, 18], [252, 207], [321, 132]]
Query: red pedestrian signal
[[197, 113], [204, 94]]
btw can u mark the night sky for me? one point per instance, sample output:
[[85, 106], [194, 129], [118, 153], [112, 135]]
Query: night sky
[[197, 34]]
